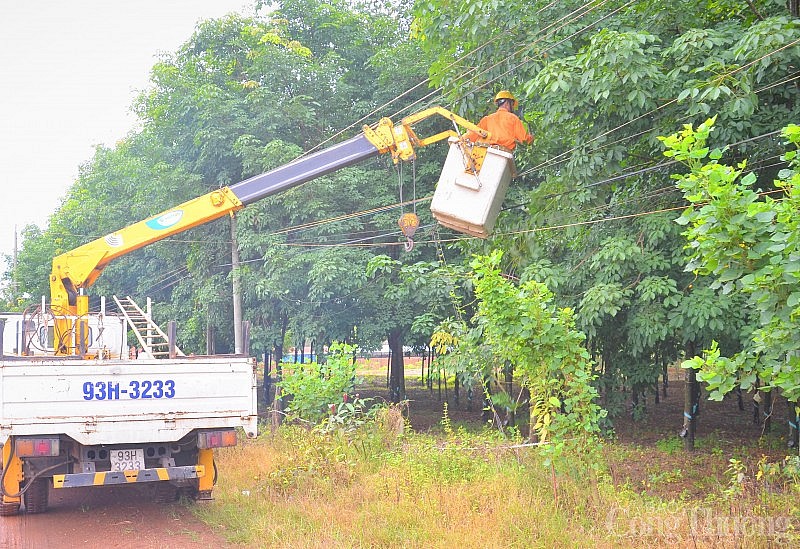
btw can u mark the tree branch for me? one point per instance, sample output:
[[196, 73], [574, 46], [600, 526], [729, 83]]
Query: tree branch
[[760, 18]]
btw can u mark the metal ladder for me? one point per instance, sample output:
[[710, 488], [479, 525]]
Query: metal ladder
[[151, 338]]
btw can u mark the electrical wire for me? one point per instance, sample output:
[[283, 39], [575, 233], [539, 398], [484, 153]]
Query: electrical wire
[[375, 111], [566, 153], [576, 33], [567, 19], [564, 20], [555, 160]]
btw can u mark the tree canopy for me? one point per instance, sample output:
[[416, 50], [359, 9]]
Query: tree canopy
[[591, 215]]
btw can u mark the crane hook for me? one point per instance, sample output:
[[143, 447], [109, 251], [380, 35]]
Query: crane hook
[[409, 222]]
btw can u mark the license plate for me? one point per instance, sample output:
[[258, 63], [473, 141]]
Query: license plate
[[129, 459]]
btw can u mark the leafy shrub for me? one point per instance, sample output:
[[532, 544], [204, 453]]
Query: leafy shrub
[[315, 387], [349, 415]]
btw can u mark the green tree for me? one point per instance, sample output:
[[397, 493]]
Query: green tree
[[518, 324], [747, 241], [315, 387], [412, 298]]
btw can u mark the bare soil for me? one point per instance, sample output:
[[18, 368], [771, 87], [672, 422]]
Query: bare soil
[[108, 517]]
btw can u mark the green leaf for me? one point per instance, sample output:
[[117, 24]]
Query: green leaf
[[766, 216]]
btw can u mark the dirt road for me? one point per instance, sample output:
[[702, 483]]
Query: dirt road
[[112, 518]]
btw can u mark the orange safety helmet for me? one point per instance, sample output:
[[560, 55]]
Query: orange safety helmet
[[505, 94]]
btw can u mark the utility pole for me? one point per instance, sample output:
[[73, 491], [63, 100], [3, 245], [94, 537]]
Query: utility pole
[[237, 290], [14, 266]]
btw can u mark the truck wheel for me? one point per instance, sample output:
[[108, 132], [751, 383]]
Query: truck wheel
[[35, 497], [189, 493], [8, 509], [164, 492]]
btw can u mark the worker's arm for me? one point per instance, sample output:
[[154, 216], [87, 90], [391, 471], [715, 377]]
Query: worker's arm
[[522, 134]]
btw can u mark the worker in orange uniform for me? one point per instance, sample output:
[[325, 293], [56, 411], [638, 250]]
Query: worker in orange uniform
[[504, 127]]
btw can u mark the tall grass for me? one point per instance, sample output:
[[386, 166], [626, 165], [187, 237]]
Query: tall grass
[[382, 488]]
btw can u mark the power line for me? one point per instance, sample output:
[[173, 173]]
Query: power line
[[565, 20], [419, 84], [576, 14]]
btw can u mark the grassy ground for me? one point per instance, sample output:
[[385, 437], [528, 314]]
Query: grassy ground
[[410, 482]]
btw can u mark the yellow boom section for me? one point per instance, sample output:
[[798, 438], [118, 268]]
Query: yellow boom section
[[79, 268], [401, 140]]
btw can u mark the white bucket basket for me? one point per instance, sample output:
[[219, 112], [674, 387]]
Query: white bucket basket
[[468, 203]]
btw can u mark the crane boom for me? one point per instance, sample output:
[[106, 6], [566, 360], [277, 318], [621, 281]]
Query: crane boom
[[305, 169]]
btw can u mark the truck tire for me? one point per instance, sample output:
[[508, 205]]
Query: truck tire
[[8, 509], [190, 492], [164, 492], [35, 497]]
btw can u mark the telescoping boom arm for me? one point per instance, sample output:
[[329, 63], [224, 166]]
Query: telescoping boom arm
[[74, 271]]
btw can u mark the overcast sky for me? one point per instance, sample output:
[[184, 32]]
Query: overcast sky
[[69, 71]]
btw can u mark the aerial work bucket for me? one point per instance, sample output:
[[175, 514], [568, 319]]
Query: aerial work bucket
[[467, 202]]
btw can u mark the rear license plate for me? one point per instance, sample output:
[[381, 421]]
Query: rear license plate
[[127, 459]]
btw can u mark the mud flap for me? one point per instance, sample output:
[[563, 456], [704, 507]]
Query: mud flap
[[11, 475]]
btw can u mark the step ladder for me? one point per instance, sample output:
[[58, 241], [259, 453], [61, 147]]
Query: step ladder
[[151, 338]]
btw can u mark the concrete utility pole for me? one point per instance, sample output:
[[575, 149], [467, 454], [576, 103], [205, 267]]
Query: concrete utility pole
[[237, 290], [14, 266]]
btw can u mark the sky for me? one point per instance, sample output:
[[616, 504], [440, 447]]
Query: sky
[[69, 72]]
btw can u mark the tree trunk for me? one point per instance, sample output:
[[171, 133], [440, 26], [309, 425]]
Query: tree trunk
[[303, 350], [397, 380], [388, 368], [422, 365], [757, 404], [210, 343], [768, 412], [277, 404], [488, 407], [267, 380], [508, 382], [690, 403], [605, 375], [430, 369], [444, 375]]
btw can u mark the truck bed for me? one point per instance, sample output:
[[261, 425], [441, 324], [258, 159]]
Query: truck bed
[[126, 401]]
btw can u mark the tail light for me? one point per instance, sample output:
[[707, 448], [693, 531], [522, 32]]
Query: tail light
[[216, 439], [37, 447]]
